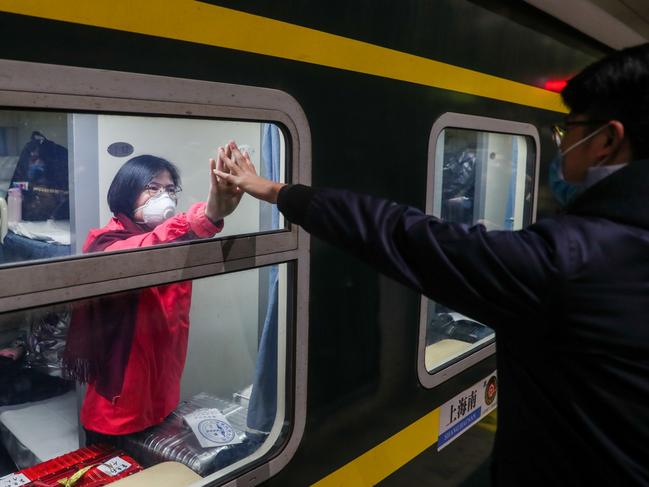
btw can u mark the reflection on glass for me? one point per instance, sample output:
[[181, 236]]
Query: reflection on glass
[[157, 388], [56, 170], [480, 177]]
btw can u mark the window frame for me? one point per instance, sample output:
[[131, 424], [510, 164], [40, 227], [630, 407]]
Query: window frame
[[53, 87], [451, 120], [39, 283]]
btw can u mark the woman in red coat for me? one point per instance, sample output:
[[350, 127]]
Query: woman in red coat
[[130, 348]]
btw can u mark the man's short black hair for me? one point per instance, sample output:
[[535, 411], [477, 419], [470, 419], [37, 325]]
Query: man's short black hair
[[131, 179], [616, 88]]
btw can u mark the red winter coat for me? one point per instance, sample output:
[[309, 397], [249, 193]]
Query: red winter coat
[[151, 383]]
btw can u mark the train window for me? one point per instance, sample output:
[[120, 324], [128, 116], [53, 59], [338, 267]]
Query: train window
[[481, 171], [189, 372], [224, 395], [65, 175]]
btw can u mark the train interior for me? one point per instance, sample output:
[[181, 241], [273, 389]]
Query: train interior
[[480, 178], [55, 174]]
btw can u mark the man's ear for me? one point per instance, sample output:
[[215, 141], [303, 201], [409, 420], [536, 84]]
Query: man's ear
[[613, 143], [616, 132]]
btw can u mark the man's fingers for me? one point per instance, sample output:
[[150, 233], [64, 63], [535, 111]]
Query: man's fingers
[[224, 161], [238, 157], [232, 145], [230, 166], [242, 160], [224, 176], [248, 163], [228, 181]]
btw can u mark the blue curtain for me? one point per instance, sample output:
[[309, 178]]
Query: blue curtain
[[508, 224], [263, 401]]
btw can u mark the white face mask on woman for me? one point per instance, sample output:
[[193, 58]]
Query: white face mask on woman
[[157, 209]]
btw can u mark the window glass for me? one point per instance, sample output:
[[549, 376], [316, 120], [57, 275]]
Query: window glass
[[480, 177], [56, 170], [191, 372]]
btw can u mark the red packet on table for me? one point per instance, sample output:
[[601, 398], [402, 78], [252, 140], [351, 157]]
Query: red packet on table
[[105, 470], [49, 467], [93, 466]]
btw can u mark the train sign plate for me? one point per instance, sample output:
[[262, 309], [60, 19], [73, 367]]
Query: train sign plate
[[466, 409]]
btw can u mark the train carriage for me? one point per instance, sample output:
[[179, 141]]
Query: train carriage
[[303, 366]]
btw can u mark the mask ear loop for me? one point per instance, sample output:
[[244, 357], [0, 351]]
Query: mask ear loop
[[601, 163], [140, 208], [579, 142]]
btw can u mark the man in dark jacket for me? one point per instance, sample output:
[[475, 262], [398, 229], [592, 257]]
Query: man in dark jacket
[[568, 296]]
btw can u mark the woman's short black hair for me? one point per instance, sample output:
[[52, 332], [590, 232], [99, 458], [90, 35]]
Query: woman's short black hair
[[131, 179], [616, 88]]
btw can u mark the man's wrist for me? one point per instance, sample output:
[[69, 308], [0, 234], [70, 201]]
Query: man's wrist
[[275, 189]]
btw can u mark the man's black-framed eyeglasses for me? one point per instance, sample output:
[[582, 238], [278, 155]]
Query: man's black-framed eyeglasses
[[559, 130]]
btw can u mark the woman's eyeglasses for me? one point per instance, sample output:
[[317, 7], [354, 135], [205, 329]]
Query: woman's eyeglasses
[[560, 130], [154, 188]]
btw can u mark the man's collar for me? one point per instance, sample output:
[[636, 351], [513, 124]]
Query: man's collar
[[622, 196]]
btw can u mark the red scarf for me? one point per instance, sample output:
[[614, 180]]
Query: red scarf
[[101, 329]]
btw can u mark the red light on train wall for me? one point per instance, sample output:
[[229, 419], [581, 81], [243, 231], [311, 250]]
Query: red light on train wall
[[555, 85]]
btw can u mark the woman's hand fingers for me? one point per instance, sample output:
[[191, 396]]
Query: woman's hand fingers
[[219, 159], [220, 165], [214, 180], [220, 184], [225, 193], [228, 165]]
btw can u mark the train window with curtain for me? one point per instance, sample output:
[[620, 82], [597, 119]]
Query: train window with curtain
[[481, 171], [189, 372], [67, 178]]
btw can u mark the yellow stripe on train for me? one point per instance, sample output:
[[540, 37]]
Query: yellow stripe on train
[[188, 20], [387, 457]]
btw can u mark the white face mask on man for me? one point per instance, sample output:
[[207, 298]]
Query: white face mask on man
[[157, 209]]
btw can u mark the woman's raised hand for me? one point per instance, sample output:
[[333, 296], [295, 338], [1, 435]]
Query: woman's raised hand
[[237, 170], [223, 197]]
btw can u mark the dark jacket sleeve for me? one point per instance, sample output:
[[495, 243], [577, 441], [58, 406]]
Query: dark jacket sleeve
[[494, 277]]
